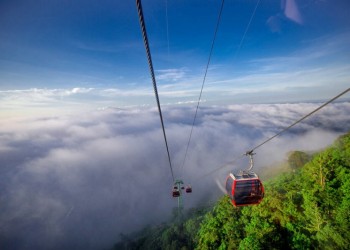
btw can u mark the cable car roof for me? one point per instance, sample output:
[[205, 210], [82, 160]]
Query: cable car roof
[[250, 175]]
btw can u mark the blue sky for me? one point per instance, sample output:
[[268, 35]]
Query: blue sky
[[60, 56], [75, 55]]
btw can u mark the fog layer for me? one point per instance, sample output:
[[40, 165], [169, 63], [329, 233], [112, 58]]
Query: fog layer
[[78, 182]]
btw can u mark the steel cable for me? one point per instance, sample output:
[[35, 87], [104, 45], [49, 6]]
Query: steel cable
[[150, 64], [277, 134], [205, 76]]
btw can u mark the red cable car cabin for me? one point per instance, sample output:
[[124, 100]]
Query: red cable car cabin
[[244, 189], [176, 191]]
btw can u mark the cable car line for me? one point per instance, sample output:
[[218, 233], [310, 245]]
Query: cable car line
[[150, 64], [301, 119], [203, 82], [210, 54], [167, 25], [279, 133], [247, 28]]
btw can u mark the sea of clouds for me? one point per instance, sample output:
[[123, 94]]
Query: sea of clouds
[[78, 182]]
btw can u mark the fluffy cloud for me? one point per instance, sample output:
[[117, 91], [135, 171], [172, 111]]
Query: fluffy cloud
[[171, 74], [77, 182]]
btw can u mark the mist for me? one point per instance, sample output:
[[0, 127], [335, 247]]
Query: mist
[[78, 182]]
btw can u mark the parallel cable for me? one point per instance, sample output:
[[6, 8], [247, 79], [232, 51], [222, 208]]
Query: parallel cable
[[247, 28], [150, 64], [204, 78], [279, 133], [167, 25], [237, 51], [301, 119]]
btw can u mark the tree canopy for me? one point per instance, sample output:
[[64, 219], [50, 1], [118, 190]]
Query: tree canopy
[[306, 208]]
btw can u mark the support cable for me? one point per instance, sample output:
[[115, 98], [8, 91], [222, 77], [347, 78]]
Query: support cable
[[279, 133], [246, 29], [301, 119], [167, 25], [205, 76], [150, 64]]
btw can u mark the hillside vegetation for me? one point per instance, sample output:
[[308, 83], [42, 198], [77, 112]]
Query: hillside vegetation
[[306, 208]]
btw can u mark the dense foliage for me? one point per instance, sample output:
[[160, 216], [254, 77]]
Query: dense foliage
[[307, 208], [181, 233]]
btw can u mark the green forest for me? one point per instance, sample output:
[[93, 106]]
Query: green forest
[[306, 207]]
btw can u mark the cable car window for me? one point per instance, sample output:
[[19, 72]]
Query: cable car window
[[229, 183]]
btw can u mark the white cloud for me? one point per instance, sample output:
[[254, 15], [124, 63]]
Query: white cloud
[[312, 72], [171, 74], [80, 90], [57, 101], [111, 166]]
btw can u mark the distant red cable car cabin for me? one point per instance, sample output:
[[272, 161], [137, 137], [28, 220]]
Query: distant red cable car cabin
[[176, 191], [178, 186]]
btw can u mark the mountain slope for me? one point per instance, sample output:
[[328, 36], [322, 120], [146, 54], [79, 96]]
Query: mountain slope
[[305, 208]]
